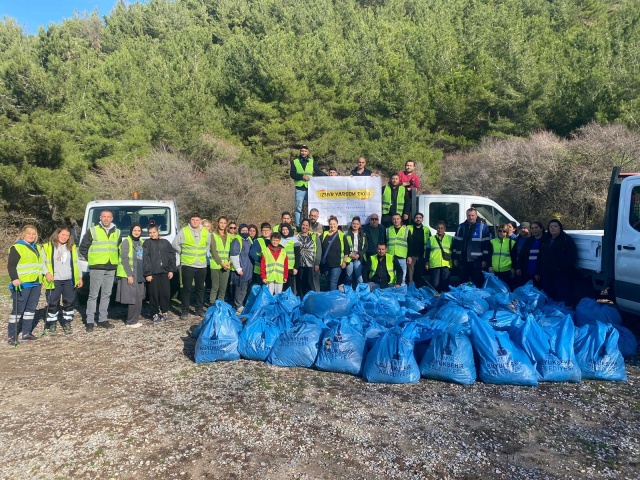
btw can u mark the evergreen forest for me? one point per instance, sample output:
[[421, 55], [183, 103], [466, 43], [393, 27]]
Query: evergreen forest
[[248, 81]]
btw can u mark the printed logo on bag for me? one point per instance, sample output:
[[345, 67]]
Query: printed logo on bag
[[553, 363], [504, 364]]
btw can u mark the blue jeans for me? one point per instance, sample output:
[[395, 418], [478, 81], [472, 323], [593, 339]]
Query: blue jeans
[[403, 266], [353, 270], [334, 276], [301, 196]]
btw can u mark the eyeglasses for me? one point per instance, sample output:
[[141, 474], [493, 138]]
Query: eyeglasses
[[233, 228], [502, 231], [373, 219]]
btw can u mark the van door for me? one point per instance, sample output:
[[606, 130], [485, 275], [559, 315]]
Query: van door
[[627, 247]]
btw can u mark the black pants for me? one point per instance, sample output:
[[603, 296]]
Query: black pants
[[62, 289], [159, 293], [191, 275], [305, 280], [439, 278], [471, 271]]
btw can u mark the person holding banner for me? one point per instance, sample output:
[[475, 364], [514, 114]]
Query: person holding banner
[[301, 171]]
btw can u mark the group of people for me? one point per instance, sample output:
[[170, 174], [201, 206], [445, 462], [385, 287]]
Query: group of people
[[391, 249]]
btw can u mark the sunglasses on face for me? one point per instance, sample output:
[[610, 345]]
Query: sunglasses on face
[[374, 219], [502, 231]]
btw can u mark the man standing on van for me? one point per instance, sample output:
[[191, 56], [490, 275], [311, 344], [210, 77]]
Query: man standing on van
[[192, 243], [100, 247], [471, 249]]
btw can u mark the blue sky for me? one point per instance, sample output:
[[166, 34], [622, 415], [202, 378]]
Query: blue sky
[[30, 14]]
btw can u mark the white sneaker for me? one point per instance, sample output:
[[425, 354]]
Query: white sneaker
[[239, 311], [134, 325]]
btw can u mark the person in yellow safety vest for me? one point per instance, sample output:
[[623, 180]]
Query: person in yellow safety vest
[[291, 246], [439, 253], [26, 266], [274, 265], [220, 263], [419, 235], [398, 244], [301, 171], [192, 243], [100, 247], [358, 245], [383, 269], [335, 254], [62, 278], [394, 200], [258, 248], [504, 256], [130, 273]]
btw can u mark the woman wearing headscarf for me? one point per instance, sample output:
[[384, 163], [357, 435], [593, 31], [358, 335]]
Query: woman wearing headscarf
[[26, 267], [242, 267], [131, 275], [556, 263], [291, 247]]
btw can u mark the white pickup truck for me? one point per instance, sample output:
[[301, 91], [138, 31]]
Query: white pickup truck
[[610, 258]]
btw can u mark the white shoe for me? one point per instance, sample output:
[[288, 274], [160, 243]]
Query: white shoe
[[239, 311], [134, 325]]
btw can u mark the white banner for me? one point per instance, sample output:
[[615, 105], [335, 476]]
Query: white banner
[[346, 197]]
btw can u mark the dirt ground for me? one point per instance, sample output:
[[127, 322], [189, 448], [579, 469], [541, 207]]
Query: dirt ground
[[132, 404]]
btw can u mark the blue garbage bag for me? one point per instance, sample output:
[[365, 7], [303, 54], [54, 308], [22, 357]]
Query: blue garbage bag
[[257, 338], [453, 314], [494, 284], [391, 359], [298, 346], [288, 303], [627, 342], [500, 360], [470, 298], [258, 298], [417, 299], [450, 358], [596, 348], [219, 308], [342, 348], [551, 318], [372, 331], [501, 319], [334, 304], [505, 301], [551, 347], [530, 296], [590, 311], [218, 335]]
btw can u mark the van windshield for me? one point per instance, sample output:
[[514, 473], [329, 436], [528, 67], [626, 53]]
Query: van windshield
[[125, 215]]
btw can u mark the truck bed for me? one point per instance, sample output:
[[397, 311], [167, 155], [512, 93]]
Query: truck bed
[[589, 246]]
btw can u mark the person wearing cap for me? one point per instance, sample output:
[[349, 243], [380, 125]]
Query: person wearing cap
[[302, 169], [192, 243]]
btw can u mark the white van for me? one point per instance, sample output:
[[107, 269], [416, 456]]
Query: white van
[[163, 213], [452, 209]]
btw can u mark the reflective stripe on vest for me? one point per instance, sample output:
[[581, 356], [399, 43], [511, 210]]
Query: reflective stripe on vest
[[390, 270], [501, 258], [289, 248], [397, 243], [121, 272], [103, 249], [386, 199], [307, 170], [435, 254], [30, 264], [48, 254], [274, 269], [222, 249], [426, 233], [190, 252], [263, 247]]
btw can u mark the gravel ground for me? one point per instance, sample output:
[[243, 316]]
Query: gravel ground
[[132, 404]]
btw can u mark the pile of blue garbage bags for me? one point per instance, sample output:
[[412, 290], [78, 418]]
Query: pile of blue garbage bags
[[398, 335]]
